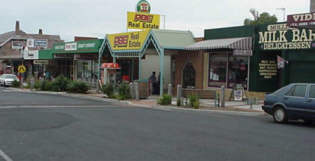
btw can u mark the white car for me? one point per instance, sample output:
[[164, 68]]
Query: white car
[[8, 79]]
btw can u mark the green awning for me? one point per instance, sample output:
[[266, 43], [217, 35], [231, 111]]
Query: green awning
[[45, 54], [77, 47]]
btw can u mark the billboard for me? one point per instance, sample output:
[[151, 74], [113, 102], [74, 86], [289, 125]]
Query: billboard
[[137, 20], [128, 41], [301, 20]]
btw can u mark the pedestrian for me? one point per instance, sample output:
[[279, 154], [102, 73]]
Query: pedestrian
[[152, 82]]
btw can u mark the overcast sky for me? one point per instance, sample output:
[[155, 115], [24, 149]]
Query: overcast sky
[[69, 18]]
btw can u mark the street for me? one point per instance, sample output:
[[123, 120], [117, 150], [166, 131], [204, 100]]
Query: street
[[40, 127]]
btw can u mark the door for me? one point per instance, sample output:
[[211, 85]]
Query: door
[[310, 102], [296, 99]]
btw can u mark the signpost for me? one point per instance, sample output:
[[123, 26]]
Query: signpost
[[21, 69], [137, 20]]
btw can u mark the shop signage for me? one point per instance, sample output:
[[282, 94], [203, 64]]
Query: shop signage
[[46, 62], [84, 46], [85, 56], [281, 37], [301, 20], [30, 54], [63, 56], [30, 43], [137, 20], [41, 43], [128, 41], [70, 46], [268, 69], [143, 6], [18, 44]]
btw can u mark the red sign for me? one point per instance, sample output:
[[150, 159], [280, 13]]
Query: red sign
[[121, 41], [110, 65], [143, 18], [301, 20]]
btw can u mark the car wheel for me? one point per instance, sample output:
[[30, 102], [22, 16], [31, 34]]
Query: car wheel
[[280, 115]]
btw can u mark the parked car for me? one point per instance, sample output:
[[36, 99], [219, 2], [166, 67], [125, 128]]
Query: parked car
[[8, 79], [292, 102]]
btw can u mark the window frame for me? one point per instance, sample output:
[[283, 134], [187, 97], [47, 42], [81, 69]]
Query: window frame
[[292, 89]]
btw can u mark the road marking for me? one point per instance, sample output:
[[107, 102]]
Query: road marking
[[51, 106], [5, 156]]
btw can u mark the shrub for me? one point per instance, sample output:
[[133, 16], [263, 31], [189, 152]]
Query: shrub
[[108, 89], [165, 100], [45, 86], [194, 101], [77, 87], [123, 91], [37, 84], [179, 102], [16, 84], [60, 83]]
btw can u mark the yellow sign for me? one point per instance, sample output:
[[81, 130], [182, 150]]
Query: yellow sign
[[128, 40], [137, 20], [21, 69]]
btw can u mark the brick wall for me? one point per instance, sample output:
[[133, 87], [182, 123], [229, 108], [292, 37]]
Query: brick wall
[[196, 58]]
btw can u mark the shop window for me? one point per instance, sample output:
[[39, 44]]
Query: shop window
[[227, 70], [217, 70], [189, 74]]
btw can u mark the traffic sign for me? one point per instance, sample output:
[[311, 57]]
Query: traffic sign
[[21, 69]]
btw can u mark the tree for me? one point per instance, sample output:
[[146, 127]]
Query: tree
[[263, 18]]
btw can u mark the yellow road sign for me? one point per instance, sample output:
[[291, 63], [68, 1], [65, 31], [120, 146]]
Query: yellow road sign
[[21, 69]]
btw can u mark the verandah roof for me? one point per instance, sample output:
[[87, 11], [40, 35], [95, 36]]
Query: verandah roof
[[242, 43]]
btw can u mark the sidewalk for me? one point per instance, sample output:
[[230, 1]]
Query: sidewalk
[[151, 102]]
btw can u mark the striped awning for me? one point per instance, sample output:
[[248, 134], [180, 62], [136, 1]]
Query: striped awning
[[238, 44]]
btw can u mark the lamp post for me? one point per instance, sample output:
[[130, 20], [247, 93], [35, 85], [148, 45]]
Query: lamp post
[[164, 25], [284, 12]]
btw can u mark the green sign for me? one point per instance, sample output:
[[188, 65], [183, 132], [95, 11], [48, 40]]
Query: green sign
[[283, 37], [143, 6], [84, 46]]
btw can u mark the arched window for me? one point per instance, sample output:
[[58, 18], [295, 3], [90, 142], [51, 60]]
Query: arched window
[[189, 76]]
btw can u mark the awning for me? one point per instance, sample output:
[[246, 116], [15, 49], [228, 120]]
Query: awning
[[240, 46]]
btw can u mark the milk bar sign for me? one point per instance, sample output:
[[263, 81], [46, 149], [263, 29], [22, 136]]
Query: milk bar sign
[[301, 20], [282, 37]]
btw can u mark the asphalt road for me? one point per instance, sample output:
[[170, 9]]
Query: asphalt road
[[37, 127]]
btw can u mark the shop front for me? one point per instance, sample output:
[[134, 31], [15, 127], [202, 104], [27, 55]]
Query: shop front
[[77, 60], [284, 55], [139, 54], [227, 61]]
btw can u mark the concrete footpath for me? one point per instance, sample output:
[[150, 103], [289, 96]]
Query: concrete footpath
[[151, 102]]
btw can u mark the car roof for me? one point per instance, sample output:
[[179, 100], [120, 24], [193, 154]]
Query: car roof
[[302, 84]]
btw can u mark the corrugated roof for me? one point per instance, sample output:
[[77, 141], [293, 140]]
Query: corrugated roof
[[173, 39], [242, 43]]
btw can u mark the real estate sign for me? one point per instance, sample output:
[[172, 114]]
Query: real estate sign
[[138, 20], [128, 41]]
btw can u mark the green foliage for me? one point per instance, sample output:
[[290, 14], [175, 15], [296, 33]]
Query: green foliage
[[37, 85], [77, 87], [123, 91], [108, 89], [194, 101], [60, 84], [45, 85], [165, 100], [263, 18], [16, 84], [179, 102]]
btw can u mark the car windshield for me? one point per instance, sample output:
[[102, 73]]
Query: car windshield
[[280, 91], [9, 76]]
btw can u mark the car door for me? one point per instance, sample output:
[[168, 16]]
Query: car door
[[295, 99], [310, 102]]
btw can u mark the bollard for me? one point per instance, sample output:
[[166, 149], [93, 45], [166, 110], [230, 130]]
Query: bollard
[[131, 90], [32, 83], [136, 86], [222, 100], [169, 89], [179, 91]]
